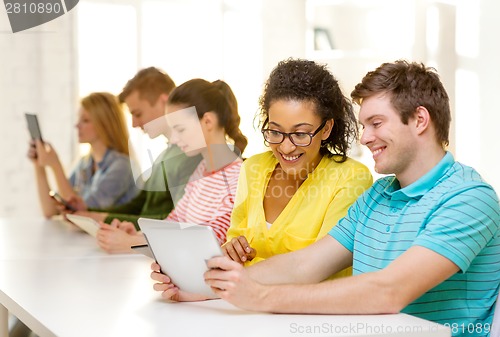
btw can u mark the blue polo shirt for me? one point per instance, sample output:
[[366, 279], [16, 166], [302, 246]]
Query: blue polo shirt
[[449, 210]]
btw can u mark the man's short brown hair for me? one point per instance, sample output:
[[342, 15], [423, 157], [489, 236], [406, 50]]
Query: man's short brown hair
[[150, 83]]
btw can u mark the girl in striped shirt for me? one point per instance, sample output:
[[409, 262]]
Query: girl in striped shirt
[[200, 117]]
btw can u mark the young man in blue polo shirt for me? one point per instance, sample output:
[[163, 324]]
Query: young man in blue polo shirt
[[423, 241]]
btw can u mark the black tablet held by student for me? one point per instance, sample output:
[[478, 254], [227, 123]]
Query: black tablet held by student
[[33, 126], [57, 197]]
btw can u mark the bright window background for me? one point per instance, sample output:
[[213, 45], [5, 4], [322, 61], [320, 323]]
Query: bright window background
[[107, 50], [208, 39], [468, 107], [225, 39], [186, 43]]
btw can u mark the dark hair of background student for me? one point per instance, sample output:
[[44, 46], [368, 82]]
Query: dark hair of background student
[[214, 96]]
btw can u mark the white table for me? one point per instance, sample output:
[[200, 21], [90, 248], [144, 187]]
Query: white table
[[59, 283]]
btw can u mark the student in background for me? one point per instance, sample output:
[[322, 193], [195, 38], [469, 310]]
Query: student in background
[[201, 117], [292, 195], [424, 241], [104, 176], [146, 95]]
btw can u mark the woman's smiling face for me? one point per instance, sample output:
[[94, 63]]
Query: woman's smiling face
[[297, 116]]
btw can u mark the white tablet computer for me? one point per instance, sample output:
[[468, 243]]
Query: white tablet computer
[[182, 250], [87, 224]]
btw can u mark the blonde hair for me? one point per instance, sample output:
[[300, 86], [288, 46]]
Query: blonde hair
[[106, 114]]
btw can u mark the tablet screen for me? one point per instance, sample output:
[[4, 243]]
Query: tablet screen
[[33, 126], [182, 250]]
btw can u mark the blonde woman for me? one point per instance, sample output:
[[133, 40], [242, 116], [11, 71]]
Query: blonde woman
[[103, 177]]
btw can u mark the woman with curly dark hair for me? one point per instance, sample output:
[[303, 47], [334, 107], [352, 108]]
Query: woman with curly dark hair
[[293, 195]]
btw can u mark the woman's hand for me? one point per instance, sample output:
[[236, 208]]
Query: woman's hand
[[169, 291], [76, 202], [113, 239], [127, 227], [32, 155], [46, 154], [239, 250]]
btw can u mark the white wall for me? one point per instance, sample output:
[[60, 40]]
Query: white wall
[[37, 74], [487, 67]]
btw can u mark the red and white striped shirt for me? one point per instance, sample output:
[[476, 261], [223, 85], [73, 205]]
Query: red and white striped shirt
[[209, 198]]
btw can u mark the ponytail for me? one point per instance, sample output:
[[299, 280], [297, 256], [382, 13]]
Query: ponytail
[[230, 120], [217, 97]]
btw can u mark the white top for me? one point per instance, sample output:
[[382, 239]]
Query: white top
[[56, 279]]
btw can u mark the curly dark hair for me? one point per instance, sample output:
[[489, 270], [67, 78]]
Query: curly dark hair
[[303, 80]]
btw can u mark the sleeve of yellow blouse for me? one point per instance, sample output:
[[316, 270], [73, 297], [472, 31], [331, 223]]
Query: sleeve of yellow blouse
[[239, 215], [357, 179]]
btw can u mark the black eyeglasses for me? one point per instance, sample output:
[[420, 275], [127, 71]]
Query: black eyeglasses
[[297, 138]]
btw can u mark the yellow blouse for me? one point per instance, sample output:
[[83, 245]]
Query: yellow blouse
[[321, 200]]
